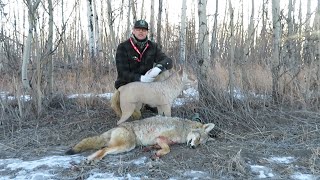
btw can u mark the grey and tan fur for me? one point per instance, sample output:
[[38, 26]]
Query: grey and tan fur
[[157, 130], [160, 94]]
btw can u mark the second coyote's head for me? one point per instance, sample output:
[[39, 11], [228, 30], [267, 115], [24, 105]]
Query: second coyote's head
[[199, 135]]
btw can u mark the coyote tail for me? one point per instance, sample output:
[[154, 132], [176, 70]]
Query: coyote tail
[[115, 103], [95, 142]]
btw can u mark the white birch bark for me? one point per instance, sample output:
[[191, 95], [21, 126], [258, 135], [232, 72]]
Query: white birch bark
[[32, 8], [49, 46], [134, 12], [159, 23], [214, 32], [128, 31], [112, 33], [152, 21], [183, 29], [203, 48], [276, 49], [90, 15], [142, 11], [232, 44], [97, 32], [316, 25]]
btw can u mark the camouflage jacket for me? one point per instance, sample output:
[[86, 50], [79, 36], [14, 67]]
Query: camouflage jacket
[[131, 65]]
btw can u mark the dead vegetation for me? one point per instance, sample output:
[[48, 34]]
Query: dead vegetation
[[248, 131]]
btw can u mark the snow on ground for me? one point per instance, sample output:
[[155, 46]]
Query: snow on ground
[[43, 168], [264, 172]]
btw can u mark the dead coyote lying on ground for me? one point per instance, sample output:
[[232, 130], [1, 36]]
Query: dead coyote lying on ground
[[161, 94], [157, 130]]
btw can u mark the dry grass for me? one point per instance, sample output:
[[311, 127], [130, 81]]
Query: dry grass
[[247, 129]]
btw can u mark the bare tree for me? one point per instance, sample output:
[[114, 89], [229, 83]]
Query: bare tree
[[97, 32], [32, 8], [142, 10], [134, 11], [203, 48], [112, 33], [214, 32], [183, 29], [159, 24], [275, 69], [232, 44], [152, 21], [48, 54], [90, 17], [316, 26], [128, 31]]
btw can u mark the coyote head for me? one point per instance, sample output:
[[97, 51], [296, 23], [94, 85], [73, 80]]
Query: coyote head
[[200, 135]]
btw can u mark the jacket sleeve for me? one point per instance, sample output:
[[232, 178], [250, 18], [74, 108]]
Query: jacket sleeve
[[123, 67], [162, 58]]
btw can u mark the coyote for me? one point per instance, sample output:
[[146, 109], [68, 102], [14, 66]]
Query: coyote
[[129, 98], [157, 130]]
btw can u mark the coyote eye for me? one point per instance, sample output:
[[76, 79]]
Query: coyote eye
[[189, 142]]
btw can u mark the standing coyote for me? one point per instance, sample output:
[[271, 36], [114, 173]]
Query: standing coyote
[[157, 130], [129, 98]]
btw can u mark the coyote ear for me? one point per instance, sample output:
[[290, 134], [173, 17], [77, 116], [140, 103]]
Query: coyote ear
[[208, 127]]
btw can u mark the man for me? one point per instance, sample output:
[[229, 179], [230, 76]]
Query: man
[[139, 59]]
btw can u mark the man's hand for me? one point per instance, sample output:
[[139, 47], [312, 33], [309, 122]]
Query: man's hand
[[146, 78], [154, 72]]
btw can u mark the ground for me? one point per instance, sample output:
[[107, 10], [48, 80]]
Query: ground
[[236, 152]]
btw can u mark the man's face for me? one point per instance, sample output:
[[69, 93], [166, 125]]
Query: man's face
[[140, 33]]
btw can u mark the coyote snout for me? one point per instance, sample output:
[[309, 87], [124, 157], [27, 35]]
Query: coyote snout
[[198, 136], [158, 130]]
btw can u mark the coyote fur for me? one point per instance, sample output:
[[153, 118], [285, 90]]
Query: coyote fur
[[157, 130], [128, 99]]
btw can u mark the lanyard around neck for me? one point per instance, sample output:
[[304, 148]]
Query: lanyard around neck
[[137, 50]]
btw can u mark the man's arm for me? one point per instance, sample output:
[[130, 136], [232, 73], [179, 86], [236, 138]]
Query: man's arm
[[162, 59]]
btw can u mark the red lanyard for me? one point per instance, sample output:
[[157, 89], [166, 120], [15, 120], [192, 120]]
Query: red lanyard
[[137, 50]]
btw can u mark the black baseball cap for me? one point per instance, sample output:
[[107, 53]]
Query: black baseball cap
[[141, 24]]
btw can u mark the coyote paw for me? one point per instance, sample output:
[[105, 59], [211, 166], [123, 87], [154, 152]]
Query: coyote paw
[[155, 157], [91, 161]]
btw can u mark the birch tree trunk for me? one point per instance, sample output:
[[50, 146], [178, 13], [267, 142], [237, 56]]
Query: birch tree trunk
[[232, 44], [183, 29], [112, 33], [90, 15], [317, 50], [128, 31], [49, 46], [214, 33], [159, 24], [134, 11], [32, 8], [97, 33], [275, 69], [203, 48], [142, 10], [248, 43], [307, 55], [66, 56], [152, 21]]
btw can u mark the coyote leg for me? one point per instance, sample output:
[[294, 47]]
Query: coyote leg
[[164, 145], [137, 113], [164, 110], [127, 110], [121, 140]]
